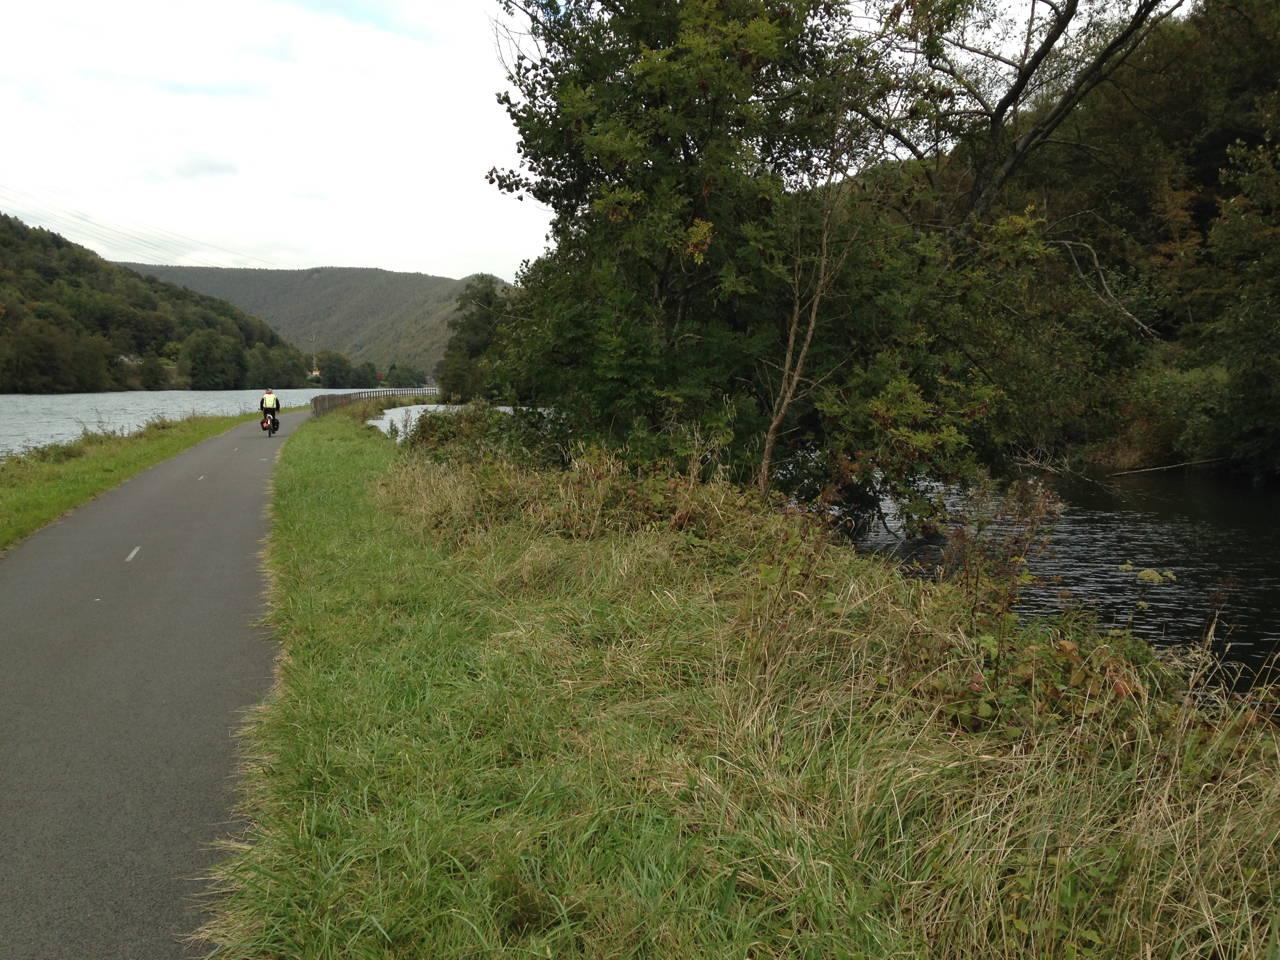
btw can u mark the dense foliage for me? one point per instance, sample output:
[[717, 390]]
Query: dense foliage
[[870, 254], [1161, 197], [71, 322], [337, 371], [462, 372]]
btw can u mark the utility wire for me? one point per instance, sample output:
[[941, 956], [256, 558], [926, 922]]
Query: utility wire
[[149, 242], [79, 228], [164, 245], [137, 246], [254, 261], [81, 225], [99, 234]]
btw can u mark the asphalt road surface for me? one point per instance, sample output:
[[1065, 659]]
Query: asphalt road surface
[[129, 648]]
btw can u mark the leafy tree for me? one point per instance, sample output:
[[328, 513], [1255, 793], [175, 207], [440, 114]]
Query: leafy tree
[[90, 364], [1142, 183], [335, 369], [152, 374], [663, 141], [213, 361], [461, 373], [404, 376], [364, 375], [290, 367], [279, 366], [40, 358], [716, 261], [259, 370], [1245, 245]]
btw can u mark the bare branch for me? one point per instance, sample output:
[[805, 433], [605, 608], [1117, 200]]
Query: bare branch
[[987, 54], [947, 68], [1031, 24], [1099, 68], [1110, 299], [889, 130], [1028, 70]]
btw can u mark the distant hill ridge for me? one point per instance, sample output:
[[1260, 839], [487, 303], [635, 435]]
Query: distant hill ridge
[[367, 313]]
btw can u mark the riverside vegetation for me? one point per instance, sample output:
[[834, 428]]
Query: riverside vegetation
[[880, 247], [44, 483], [538, 704]]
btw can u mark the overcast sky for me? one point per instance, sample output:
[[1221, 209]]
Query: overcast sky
[[281, 133]]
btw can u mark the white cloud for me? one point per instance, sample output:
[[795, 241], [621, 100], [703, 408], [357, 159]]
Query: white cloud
[[283, 133]]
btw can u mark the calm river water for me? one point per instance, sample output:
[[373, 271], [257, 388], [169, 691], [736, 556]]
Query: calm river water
[[1220, 539], [28, 420]]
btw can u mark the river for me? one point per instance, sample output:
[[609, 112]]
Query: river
[[1219, 538], [29, 420]]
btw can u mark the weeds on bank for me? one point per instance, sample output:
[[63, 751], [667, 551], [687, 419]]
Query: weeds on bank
[[585, 710], [43, 483]]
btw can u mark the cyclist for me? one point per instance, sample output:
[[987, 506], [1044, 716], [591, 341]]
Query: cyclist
[[270, 405]]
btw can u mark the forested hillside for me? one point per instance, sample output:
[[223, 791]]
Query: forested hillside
[[72, 322], [995, 233], [371, 315]]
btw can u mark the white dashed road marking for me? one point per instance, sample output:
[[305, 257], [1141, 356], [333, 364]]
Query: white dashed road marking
[[132, 553]]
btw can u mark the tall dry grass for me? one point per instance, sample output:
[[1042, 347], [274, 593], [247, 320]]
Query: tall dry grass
[[592, 712]]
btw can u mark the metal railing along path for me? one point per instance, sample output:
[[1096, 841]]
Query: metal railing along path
[[331, 401]]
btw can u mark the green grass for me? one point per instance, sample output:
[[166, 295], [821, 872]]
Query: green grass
[[525, 713], [43, 484]]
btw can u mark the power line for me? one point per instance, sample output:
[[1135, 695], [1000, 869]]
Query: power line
[[164, 245], [102, 234], [76, 224], [149, 242], [136, 245], [264, 264]]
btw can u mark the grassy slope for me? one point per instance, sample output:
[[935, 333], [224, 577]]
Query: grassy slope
[[369, 314], [526, 714], [47, 482]]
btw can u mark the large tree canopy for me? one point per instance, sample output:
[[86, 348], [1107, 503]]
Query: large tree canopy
[[870, 247]]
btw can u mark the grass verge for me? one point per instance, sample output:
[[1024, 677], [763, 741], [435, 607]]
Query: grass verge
[[44, 483], [580, 713]]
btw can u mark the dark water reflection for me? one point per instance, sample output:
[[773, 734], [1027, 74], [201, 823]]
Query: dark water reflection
[[1220, 539]]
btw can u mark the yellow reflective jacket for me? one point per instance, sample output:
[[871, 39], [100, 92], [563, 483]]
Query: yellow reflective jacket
[[270, 403]]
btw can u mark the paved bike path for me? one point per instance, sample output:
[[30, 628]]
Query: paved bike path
[[128, 652]]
